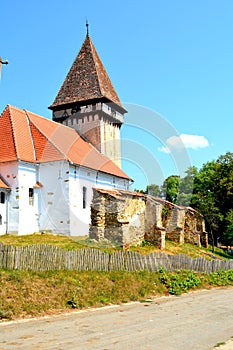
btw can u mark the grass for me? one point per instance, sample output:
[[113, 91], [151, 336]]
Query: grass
[[28, 293], [33, 293], [38, 238], [78, 242]]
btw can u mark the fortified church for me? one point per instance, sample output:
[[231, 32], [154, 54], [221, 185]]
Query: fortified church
[[48, 169], [64, 175]]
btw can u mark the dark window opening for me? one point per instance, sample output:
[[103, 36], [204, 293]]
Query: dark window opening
[[2, 197], [0, 219], [84, 197], [31, 196]]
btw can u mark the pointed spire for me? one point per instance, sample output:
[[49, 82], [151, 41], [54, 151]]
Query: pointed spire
[[87, 25], [86, 80]]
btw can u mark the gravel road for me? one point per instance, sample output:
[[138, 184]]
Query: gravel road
[[198, 320]]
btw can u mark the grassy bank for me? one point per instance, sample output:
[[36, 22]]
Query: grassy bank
[[29, 293], [77, 242]]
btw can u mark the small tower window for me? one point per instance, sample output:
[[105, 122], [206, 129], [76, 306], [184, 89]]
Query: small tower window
[[84, 197], [0, 219], [2, 197], [31, 196]]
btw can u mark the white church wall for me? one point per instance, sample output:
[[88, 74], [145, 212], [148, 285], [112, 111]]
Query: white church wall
[[58, 206], [82, 181], [28, 200], [9, 171], [54, 205], [105, 180], [3, 211]]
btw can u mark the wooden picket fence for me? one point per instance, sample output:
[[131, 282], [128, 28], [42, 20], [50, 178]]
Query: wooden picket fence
[[49, 257]]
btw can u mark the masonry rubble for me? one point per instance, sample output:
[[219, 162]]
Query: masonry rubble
[[126, 217]]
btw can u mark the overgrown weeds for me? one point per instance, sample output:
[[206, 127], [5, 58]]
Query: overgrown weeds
[[179, 282]]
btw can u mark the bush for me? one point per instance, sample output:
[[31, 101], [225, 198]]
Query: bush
[[179, 282]]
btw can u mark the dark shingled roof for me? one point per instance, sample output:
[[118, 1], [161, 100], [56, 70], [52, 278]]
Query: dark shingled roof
[[86, 80]]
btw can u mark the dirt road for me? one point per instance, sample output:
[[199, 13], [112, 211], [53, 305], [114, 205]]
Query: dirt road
[[196, 320]]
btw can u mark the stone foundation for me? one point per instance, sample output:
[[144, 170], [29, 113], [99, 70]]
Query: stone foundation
[[125, 217]]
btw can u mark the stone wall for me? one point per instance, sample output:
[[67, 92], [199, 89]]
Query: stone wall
[[129, 217], [118, 216]]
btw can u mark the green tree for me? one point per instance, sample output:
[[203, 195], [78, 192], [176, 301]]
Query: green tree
[[170, 188], [213, 195], [153, 190], [228, 234], [186, 187]]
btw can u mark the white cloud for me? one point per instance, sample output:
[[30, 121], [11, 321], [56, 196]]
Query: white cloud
[[184, 141], [164, 149], [194, 141]]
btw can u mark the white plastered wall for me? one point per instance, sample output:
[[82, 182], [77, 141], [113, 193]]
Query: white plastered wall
[[9, 171], [58, 204], [54, 202], [3, 213], [28, 207], [80, 217]]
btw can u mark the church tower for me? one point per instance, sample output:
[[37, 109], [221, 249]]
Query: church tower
[[88, 102]]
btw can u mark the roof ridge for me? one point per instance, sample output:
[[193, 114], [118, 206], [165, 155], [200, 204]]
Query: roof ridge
[[12, 130], [88, 39], [95, 53], [40, 131], [30, 131]]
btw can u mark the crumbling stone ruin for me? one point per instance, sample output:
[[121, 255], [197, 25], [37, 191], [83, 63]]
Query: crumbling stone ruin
[[128, 217]]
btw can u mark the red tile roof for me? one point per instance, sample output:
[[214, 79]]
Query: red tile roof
[[120, 194], [86, 80], [29, 137], [3, 184]]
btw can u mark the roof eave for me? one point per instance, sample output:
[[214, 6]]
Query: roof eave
[[66, 105]]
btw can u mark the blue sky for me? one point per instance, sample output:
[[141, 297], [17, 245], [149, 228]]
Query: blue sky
[[170, 61]]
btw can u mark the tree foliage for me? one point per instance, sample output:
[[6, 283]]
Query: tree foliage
[[209, 190], [170, 188], [213, 196], [153, 190]]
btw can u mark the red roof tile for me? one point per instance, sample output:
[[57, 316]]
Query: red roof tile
[[7, 149], [86, 80], [120, 194], [3, 184], [22, 136], [32, 138]]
